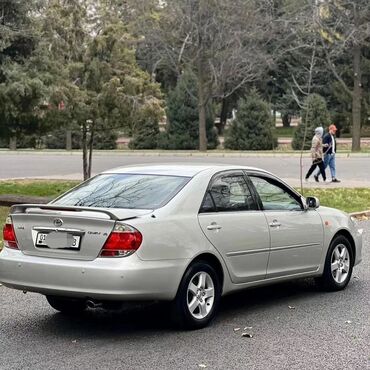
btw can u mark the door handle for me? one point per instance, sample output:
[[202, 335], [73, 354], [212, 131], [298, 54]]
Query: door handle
[[275, 223], [214, 226]]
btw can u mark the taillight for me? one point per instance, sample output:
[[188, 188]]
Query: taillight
[[10, 240], [123, 241]]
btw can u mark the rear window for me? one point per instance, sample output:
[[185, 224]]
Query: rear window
[[125, 191]]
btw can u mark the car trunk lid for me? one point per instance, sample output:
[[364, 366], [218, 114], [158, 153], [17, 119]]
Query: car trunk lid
[[76, 233]]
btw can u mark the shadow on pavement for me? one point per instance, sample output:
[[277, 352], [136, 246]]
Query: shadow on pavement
[[149, 318]]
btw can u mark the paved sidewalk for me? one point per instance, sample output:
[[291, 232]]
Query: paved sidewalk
[[180, 153]]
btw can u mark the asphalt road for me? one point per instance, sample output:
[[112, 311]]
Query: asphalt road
[[353, 171], [322, 331]]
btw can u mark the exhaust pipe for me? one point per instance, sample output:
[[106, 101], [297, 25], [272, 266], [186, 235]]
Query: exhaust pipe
[[92, 304]]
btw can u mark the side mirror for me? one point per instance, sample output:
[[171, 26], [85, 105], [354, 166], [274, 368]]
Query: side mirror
[[312, 202]]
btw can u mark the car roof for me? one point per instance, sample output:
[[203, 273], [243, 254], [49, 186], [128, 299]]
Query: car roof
[[178, 169]]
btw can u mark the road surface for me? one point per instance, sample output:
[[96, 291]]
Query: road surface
[[294, 326], [353, 171]]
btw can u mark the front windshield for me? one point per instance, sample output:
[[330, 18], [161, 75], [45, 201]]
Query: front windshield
[[124, 191]]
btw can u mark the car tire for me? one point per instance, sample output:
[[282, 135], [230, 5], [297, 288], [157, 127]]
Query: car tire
[[68, 306], [338, 265], [197, 298]]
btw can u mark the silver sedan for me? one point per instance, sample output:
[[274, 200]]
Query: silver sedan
[[187, 234]]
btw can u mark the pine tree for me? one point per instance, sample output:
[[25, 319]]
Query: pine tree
[[21, 89], [146, 133], [252, 128], [315, 114], [183, 116]]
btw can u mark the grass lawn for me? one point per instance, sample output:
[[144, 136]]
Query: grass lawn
[[348, 200], [42, 188]]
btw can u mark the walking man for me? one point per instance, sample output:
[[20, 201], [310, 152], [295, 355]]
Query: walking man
[[330, 148]]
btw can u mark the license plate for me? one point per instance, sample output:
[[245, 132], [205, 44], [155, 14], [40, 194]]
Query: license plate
[[57, 240]]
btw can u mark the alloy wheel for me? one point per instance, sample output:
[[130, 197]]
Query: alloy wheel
[[200, 295], [340, 263]]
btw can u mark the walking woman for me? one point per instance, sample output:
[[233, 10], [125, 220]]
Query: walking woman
[[317, 154]]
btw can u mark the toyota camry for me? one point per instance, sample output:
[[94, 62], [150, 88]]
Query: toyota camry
[[186, 234]]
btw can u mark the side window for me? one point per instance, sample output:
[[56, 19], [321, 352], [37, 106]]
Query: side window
[[228, 192], [273, 196]]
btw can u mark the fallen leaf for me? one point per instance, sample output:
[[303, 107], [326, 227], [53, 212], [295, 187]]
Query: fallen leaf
[[236, 329], [248, 328], [202, 366], [247, 335], [74, 341], [291, 307], [348, 322]]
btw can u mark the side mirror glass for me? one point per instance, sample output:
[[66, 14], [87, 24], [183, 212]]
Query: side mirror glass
[[312, 202]]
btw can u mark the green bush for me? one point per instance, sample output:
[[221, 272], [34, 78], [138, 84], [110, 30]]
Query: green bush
[[183, 119], [315, 114], [146, 134], [252, 128]]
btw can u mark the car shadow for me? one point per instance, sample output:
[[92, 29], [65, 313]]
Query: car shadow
[[251, 300], [136, 319]]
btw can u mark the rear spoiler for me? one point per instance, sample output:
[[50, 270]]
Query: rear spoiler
[[21, 208]]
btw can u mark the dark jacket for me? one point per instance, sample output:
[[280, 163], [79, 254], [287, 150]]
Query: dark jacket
[[327, 140]]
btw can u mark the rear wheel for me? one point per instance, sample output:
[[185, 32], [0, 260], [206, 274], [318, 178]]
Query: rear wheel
[[69, 306], [338, 265], [198, 297]]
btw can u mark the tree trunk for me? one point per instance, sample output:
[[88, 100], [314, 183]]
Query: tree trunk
[[68, 140], [286, 119], [356, 100], [223, 116], [91, 142], [13, 143], [84, 152], [202, 111]]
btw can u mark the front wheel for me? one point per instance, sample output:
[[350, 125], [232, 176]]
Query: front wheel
[[338, 265], [198, 297], [68, 306]]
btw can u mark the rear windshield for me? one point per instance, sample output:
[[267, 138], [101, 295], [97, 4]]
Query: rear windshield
[[124, 191]]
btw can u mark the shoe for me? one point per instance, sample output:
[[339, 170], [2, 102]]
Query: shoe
[[335, 180], [316, 178]]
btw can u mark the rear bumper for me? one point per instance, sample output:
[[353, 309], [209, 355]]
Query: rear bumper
[[121, 279]]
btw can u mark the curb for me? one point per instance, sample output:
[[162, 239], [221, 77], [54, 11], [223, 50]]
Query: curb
[[154, 153], [361, 216]]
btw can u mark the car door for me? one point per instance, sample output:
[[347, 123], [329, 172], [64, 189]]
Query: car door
[[230, 219], [296, 233]]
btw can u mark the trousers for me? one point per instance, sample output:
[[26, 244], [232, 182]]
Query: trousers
[[321, 169], [329, 160]]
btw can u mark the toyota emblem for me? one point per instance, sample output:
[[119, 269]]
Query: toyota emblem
[[58, 222]]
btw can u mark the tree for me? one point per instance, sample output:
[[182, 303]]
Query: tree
[[183, 117], [223, 43], [146, 135], [253, 127], [95, 71], [344, 30], [22, 91], [315, 114]]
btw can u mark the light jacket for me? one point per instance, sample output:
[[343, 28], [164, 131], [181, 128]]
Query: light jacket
[[316, 148]]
